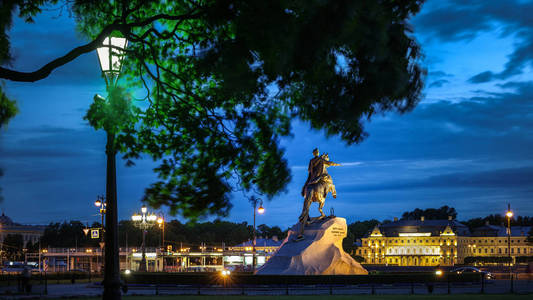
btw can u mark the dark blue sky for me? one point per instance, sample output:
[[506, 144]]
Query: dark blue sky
[[468, 143]]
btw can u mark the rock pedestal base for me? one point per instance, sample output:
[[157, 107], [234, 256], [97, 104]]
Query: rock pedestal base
[[319, 253]]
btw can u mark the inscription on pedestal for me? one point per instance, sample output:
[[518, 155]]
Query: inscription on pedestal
[[338, 231]]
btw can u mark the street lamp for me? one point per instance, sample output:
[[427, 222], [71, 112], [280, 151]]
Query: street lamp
[[144, 221], [161, 224], [260, 210], [110, 56], [100, 203], [509, 215]]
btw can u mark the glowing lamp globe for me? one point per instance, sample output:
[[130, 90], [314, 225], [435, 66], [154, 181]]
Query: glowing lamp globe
[[261, 209], [144, 209], [110, 55], [509, 214]]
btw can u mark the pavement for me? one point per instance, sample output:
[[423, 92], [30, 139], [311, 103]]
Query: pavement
[[95, 289]]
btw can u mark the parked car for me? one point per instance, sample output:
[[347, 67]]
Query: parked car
[[471, 270]]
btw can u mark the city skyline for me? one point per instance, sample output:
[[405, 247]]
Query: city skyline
[[466, 145]]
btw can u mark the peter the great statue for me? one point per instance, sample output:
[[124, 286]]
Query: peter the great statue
[[316, 187], [313, 246]]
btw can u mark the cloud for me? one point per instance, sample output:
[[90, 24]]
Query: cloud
[[439, 74], [438, 83], [461, 20], [482, 77], [510, 178]]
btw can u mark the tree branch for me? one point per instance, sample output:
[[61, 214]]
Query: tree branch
[[45, 71], [58, 62]]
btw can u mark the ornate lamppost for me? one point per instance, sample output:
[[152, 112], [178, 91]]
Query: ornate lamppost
[[144, 221], [110, 55]]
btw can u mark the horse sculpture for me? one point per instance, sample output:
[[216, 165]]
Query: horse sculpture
[[316, 191]]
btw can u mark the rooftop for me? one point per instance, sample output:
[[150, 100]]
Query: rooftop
[[260, 242]]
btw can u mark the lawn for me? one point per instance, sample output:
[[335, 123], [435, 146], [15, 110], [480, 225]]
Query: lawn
[[356, 297]]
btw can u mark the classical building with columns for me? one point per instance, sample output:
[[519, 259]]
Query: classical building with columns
[[29, 233], [440, 242]]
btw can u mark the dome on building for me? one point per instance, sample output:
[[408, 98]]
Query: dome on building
[[5, 220]]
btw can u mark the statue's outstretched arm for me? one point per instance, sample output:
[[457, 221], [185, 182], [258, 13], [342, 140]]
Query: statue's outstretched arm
[[330, 163]]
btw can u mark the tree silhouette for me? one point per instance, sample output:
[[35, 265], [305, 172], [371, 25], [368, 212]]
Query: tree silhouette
[[224, 79], [12, 247], [441, 213]]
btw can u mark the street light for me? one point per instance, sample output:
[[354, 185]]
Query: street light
[[260, 210], [509, 215], [100, 203], [161, 224], [144, 221], [110, 56]]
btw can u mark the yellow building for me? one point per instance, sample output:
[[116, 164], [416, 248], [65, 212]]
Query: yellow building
[[492, 241], [438, 242]]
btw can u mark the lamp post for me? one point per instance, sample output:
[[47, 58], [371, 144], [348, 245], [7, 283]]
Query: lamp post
[[100, 203], [144, 221], [161, 224], [509, 215], [260, 210], [110, 56]]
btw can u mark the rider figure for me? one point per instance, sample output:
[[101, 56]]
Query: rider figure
[[320, 170], [312, 169]]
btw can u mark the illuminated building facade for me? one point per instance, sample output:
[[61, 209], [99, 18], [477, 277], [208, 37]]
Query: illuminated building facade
[[414, 243], [438, 242], [29, 233]]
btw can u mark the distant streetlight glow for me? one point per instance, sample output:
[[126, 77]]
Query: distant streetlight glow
[[509, 215], [259, 210]]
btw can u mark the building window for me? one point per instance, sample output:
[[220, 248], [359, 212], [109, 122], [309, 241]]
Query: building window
[[491, 250], [499, 250], [486, 250], [512, 250], [518, 250]]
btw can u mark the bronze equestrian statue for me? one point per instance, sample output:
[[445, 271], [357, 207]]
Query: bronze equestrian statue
[[318, 184]]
